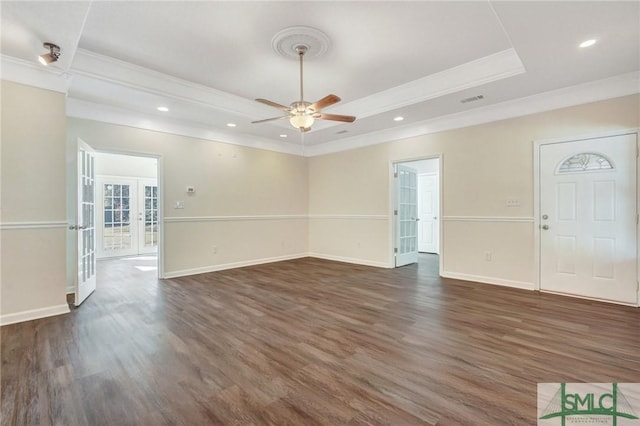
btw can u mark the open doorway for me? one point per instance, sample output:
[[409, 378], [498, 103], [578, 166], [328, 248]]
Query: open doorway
[[126, 205], [416, 207], [117, 213]]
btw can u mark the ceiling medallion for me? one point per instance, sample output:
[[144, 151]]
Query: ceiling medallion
[[286, 42]]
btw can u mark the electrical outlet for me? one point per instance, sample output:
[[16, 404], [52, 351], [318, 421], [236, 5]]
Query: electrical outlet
[[179, 205], [214, 249], [488, 256]]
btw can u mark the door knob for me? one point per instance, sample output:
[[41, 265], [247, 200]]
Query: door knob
[[545, 216], [545, 227], [435, 217]]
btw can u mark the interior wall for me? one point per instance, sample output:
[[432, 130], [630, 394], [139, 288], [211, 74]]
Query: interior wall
[[348, 212], [126, 166], [249, 206], [33, 227], [482, 167]]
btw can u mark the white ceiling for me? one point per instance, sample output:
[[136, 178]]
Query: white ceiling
[[208, 60]]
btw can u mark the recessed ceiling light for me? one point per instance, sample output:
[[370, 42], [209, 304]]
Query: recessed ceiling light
[[163, 108], [283, 136], [588, 43], [398, 118], [231, 124]]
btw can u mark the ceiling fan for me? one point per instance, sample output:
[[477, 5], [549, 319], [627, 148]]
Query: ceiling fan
[[302, 114]]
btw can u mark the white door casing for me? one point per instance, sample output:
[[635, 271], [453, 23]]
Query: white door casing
[[85, 227], [429, 210], [406, 215], [588, 235]]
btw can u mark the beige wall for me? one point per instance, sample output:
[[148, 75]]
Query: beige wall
[[249, 204], [33, 203], [348, 207], [482, 167], [126, 166]]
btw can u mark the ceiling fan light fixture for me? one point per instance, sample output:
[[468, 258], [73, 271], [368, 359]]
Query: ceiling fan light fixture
[[301, 121], [302, 114], [52, 56]]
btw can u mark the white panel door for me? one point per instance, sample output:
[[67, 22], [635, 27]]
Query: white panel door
[[406, 190], [588, 218], [429, 210], [86, 273]]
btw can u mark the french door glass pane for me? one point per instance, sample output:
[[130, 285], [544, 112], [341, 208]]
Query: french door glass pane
[[150, 216], [117, 221]]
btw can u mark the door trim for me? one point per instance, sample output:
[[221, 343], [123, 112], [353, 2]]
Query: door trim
[[392, 237], [537, 144], [160, 182]]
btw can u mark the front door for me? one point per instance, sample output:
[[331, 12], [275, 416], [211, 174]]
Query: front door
[[588, 218], [86, 265], [406, 214]]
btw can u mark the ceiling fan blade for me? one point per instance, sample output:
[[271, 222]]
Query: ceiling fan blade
[[269, 119], [324, 102], [335, 117], [273, 104]]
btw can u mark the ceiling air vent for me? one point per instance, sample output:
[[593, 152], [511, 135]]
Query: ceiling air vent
[[472, 99]]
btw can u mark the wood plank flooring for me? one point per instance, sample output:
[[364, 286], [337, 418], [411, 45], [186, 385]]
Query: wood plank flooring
[[307, 342]]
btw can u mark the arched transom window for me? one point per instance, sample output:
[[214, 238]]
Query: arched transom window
[[585, 162]]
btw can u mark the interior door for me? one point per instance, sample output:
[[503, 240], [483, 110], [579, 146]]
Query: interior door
[[406, 214], [429, 209], [588, 218], [128, 218], [117, 203], [86, 273], [148, 216]]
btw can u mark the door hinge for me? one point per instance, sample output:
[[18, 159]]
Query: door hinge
[[395, 212], [395, 249]]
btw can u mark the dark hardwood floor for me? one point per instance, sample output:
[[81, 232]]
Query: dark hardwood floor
[[307, 342]]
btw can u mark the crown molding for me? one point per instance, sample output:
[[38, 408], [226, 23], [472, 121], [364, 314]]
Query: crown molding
[[475, 73], [614, 87], [33, 74], [107, 69], [481, 71], [92, 111]]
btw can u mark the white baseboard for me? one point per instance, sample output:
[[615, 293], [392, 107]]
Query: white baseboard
[[34, 314], [232, 265], [489, 280], [364, 262]]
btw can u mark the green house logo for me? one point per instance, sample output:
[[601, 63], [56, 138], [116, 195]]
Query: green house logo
[[589, 403]]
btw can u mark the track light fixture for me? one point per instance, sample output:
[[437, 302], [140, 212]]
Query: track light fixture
[[52, 56]]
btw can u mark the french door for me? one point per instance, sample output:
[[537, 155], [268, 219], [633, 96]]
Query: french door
[[588, 218], [406, 215], [429, 209], [128, 218], [85, 225]]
